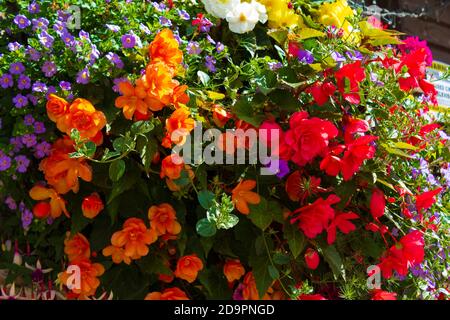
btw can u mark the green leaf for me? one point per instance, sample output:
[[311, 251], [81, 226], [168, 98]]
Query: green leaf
[[332, 257], [206, 198], [206, 228], [280, 36], [260, 215], [203, 77], [296, 240], [273, 272], [260, 269], [307, 33], [116, 170], [152, 264], [404, 145], [124, 184], [280, 258], [244, 109], [119, 144], [89, 149], [142, 127], [147, 148]]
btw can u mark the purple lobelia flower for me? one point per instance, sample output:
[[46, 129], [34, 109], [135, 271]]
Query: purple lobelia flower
[[220, 47], [112, 27], [305, 56], [39, 87], [16, 142], [29, 140], [183, 14], [43, 149], [275, 65], [84, 35], [5, 161], [16, 68], [23, 82], [66, 86], [115, 59], [193, 47], [60, 28], [34, 7], [68, 39], [210, 63], [22, 163], [27, 219], [20, 101], [49, 68], [163, 21], [144, 29], [28, 120], [159, 6], [83, 76], [11, 203], [39, 24], [33, 53], [354, 56], [39, 127], [21, 21], [14, 46], [338, 57], [33, 99], [46, 40], [128, 40], [6, 81]]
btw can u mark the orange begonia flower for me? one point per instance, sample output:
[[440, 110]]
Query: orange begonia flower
[[89, 273], [171, 167], [179, 96], [77, 247], [179, 125], [84, 117], [57, 203], [117, 254], [164, 48], [233, 270], [173, 186], [135, 238], [241, 196], [163, 219], [168, 294], [250, 292], [158, 85], [188, 268], [56, 107], [61, 171], [92, 205], [132, 100]]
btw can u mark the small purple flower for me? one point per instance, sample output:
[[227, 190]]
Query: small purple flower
[[39, 87], [28, 120], [183, 14], [210, 40], [275, 65], [20, 101], [84, 35], [33, 53], [5, 162], [45, 39], [16, 142], [305, 56], [27, 219], [355, 56], [128, 41], [42, 149], [14, 46], [16, 68], [11, 203], [34, 7], [159, 6], [49, 68], [29, 140], [220, 47], [39, 127], [337, 57], [6, 81], [22, 21], [22, 163], [193, 47], [165, 22], [115, 59], [23, 82], [40, 24], [113, 27], [68, 39], [210, 63], [83, 76], [66, 86], [33, 99], [144, 29], [60, 28], [50, 90], [283, 169]]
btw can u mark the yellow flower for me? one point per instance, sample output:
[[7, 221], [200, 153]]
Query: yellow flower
[[336, 14], [281, 14]]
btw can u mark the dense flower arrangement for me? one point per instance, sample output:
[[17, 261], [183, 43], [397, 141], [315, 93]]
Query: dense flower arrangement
[[89, 116]]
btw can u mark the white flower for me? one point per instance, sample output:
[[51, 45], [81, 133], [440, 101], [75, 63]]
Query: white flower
[[243, 17], [220, 8], [261, 10]]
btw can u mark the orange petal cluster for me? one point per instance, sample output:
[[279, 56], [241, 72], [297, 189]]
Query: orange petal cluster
[[168, 294], [178, 126], [157, 88], [233, 270], [163, 219], [51, 197], [61, 171], [242, 196], [188, 268], [77, 247], [133, 239], [92, 205]]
